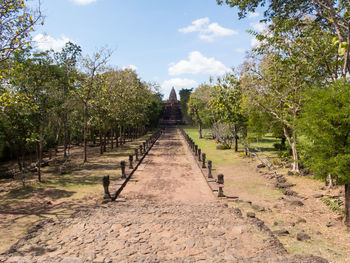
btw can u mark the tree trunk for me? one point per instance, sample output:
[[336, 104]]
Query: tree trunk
[[101, 140], [347, 205], [85, 132], [292, 142], [19, 162], [244, 135], [121, 135], [38, 160], [200, 130], [104, 139], [65, 136], [111, 138], [93, 136], [116, 137], [236, 138]]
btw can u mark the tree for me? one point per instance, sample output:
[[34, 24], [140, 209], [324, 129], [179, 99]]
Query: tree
[[16, 23], [67, 61], [226, 104], [333, 15], [198, 106], [92, 66], [326, 123], [184, 97], [16, 122], [281, 70]]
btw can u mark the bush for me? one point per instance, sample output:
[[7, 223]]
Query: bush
[[279, 146], [223, 147]]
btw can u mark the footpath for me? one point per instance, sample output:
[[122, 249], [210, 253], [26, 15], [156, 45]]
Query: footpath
[[166, 213]]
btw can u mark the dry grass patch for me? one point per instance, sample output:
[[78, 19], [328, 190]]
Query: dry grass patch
[[58, 196]]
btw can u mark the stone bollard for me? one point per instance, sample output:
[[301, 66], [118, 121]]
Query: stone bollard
[[220, 183], [136, 154], [141, 148], [105, 182], [144, 148], [203, 159], [122, 166], [130, 161], [209, 169], [199, 154], [195, 150]]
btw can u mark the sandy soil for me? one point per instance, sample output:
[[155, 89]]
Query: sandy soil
[[166, 213], [169, 173]]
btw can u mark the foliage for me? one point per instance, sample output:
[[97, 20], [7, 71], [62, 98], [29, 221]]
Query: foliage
[[184, 98], [325, 121], [333, 203], [16, 23], [198, 105]]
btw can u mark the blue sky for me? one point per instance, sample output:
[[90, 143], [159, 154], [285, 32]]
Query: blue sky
[[175, 43]]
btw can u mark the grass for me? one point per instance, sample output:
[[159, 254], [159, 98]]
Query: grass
[[334, 204], [58, 196], [264, 144], [243, 180], [209, 147], [238, 179]]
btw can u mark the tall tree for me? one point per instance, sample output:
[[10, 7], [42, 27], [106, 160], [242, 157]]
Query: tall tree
[[198, 106], [16, 23], [92, 66], [326, 123], [331, 14], [184, 97], [226, 104], [66, 60]]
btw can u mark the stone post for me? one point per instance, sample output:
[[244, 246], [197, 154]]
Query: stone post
[[130, 161], [105, 182], [209, 169], [136, 155], [220, 183], [203, 159], [141, 148], [195, 150], [144, 148], [122, 166], [199, 154]]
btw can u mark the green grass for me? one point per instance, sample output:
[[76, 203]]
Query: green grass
[[264, 144], [219, 157], [334, 204]]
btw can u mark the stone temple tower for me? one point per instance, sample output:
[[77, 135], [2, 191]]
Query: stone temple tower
[[172, 112]]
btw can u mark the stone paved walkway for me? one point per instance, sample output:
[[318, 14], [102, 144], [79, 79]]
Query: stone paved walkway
[[166, 213]]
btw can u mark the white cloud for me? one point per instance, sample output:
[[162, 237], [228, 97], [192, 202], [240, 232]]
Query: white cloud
[[254, 42], [198, 64], [207, 31], [46, 42], [132, 67], [83, 2], [260, 26], [253, 14]]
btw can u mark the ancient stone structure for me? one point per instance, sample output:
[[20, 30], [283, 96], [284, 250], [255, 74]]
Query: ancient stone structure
[[172, 112]]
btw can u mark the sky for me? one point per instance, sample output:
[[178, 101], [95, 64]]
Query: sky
[[176, 43]]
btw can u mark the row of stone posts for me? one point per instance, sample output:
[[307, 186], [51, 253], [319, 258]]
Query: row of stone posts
[[139, 153], [202, 161]]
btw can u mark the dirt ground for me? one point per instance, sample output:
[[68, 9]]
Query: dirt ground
[[166, 213], [257, 193], [168, 174], [58, 196]]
